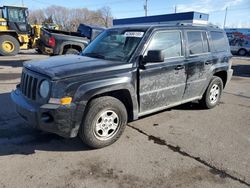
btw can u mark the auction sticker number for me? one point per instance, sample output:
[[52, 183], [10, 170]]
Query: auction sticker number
[[133, 34]]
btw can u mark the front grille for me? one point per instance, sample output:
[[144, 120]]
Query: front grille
[[29, 85]]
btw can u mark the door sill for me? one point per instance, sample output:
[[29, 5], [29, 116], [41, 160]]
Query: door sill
[[168, 106]]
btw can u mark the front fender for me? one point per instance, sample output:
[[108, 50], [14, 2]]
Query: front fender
[[89, 90]]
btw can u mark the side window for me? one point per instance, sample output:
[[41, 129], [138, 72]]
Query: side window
[[16, 15], [195, 44], [4, 13], [219, 41], [167, 41]]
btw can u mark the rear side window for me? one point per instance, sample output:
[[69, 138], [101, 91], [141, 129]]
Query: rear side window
[[197, 42], [167, 41], [219, 41]]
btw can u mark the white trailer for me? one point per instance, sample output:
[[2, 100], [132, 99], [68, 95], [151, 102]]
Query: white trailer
[[239, 40]]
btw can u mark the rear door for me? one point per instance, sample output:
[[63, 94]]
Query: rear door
[[162, 84], [199, 61]]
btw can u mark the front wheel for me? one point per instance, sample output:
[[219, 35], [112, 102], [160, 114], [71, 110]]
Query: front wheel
[[212, 95], [9, 45], [104, 122]]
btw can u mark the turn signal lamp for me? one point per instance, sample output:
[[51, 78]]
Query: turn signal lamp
[[62, 101], [65, 100]]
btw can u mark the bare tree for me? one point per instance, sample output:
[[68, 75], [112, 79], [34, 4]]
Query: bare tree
[[36, 16], [69, 19], [60, 15], [106, 16]]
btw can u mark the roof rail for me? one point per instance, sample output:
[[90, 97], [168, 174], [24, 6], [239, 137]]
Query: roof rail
[[196, 24], [213, 25]]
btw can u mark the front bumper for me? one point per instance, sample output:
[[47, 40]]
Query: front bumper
[[54, 118]]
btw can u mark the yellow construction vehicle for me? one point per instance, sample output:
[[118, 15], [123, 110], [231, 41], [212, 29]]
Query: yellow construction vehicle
[[15, 31]]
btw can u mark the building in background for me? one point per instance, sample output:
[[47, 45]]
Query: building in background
[[184, 17]]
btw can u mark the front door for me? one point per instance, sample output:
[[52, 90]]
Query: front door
[[162, 84]]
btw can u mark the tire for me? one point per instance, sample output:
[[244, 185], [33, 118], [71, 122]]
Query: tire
[[242, 52], [104, 122], [72, 51], [9, 45], [212, 95]]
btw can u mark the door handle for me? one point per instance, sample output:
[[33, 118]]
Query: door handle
[[179, 67]]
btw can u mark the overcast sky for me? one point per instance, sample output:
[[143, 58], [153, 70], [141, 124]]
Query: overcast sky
[[238, 10]]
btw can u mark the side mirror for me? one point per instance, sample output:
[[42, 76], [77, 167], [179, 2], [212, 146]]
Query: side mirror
[[154, 56]]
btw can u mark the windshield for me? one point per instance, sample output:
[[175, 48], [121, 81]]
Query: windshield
[[116, 44]]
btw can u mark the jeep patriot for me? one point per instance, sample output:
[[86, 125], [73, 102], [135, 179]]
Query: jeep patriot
[[125, 73]]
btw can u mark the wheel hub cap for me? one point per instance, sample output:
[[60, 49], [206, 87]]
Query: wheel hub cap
[[107, 125], [8, 46], [214, 93]]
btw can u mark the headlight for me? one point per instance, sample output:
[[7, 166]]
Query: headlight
[[3, 23], [44, 89]]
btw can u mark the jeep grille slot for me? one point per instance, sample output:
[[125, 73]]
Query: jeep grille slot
[[29, 85]]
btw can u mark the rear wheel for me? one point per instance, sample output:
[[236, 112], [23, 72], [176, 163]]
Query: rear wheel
[[104, 122], [242, 52], [212, 95], [72, 51], [9, 45]]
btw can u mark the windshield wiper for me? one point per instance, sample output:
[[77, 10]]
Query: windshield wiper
[[95, 55]]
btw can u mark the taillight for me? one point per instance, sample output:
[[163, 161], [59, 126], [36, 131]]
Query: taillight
[[52, 42]]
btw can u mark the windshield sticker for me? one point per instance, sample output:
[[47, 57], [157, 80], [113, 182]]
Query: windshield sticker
[[133, 34]]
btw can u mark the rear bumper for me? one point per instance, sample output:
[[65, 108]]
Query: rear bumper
[[54, 118]]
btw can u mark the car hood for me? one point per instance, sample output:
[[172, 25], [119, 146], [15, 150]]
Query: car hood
[[59, 67]]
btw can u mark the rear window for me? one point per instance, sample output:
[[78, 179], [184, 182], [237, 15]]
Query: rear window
[[197, 42], [219, 41]]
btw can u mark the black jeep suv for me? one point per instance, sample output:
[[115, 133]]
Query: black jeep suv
[[125, 73]]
